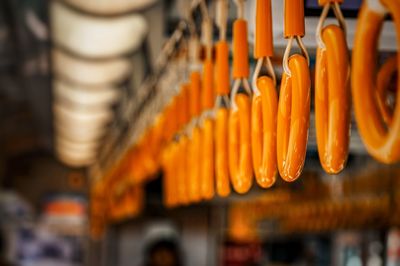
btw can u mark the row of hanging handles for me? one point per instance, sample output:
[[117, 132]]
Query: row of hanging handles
[[252, 131]]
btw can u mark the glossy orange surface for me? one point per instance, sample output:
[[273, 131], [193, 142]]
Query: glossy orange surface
[[263, 37], [332, 100], [222, 68], [240, 50], [194, 156], [263, 132], [239, 145], [385, 75], [294, 18], [207, 159], [293, 119], [381, 140], [221, 152]]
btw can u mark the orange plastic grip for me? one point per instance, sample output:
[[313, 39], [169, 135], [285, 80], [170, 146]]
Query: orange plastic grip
[[208, 85], [263, 36], [293, 119], [182, 174], [239, 145], [384, 79], [263, 132], [195, 90], [167, 171], [222, 68], [332, 100], [207, 159], [324, 2], [194, 165], [382, 141], [240, 50], [221, 152], [294, 18]]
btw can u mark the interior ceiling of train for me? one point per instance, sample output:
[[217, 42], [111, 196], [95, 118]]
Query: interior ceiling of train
[[26, 80]]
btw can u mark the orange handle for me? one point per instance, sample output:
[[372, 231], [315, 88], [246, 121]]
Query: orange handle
[[195, 88], [222, 68], [293, 119], [221, 152], [263, 132], [175, 175], [208, 85], [332, 100], [182, 173], [384, 80], [263, 36], [324, 2], [240, 162], [207, 159], [194, 166], [382, 141], [166, 167], [294, 18], [240, 50]]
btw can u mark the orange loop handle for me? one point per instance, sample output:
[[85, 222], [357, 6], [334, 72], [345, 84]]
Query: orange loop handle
[[263, 36], [207, 159], [221, 152], [195, 158], [332, 100], [381, 141], [240, 162], [182, 172], [195, 90], [385, 74], [169, 180], [293, 119], [240, 50], [294, 18], [263, 132], [208, 85], [222, 68]]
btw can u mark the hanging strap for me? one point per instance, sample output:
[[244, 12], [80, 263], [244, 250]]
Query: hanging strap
[[294, 18], [222, 68], [263, 36], [240, 50]]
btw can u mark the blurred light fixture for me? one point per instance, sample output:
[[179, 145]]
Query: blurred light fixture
[[81, 134], [110, 7], [90, 72], [96, 37], [78, 95], [81, 117]]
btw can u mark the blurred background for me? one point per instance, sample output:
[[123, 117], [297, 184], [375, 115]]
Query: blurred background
[[79, 82]]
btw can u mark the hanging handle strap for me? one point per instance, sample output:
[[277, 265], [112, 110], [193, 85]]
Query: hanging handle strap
[[240, 50], [263, 36], [222, 50], [294, 18], [222, 68]]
